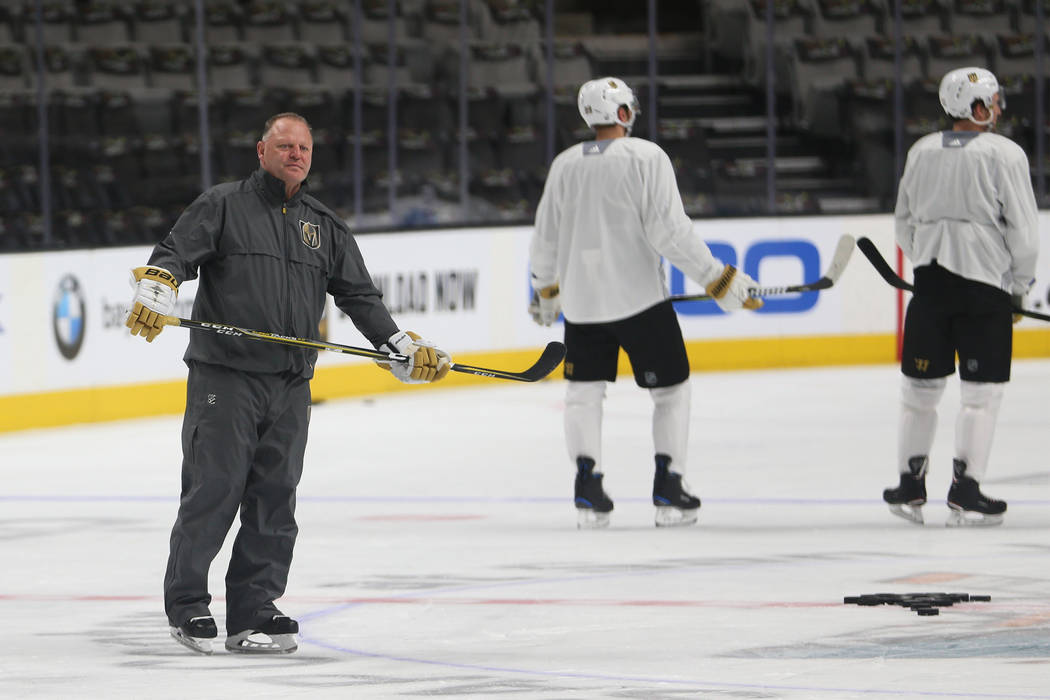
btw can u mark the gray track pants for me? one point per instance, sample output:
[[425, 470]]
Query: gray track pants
[[243, 440]]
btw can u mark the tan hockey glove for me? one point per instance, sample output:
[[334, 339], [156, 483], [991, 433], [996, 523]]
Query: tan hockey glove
[[545, 305], [730, 290], [426, 362], [155, 294]]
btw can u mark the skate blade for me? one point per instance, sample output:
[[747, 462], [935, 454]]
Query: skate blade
[[201, 646], [908, 512], [250, 642], [587, 519], [962, 518], [669, 516]]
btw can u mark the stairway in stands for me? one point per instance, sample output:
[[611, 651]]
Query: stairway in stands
[[714, 127]]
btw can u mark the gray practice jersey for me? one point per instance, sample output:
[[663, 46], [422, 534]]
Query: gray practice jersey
[[966, 201], [609, 210], [267, 264]]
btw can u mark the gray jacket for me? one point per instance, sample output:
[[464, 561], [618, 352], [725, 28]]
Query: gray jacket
[[266, 264]]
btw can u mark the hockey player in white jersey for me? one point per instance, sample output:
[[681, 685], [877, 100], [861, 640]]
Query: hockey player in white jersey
[[966, 218], [610, 209]]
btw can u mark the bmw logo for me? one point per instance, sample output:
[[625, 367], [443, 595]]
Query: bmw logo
[[67, 317]]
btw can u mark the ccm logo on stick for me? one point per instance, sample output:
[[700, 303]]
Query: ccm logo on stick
[[803, 251]]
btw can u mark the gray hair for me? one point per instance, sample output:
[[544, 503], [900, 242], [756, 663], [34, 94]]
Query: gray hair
[[268, 126]]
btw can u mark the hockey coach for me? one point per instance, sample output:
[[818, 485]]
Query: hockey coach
[[267, 253]]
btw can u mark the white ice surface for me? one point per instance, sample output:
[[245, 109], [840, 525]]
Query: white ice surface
[[438, 554]]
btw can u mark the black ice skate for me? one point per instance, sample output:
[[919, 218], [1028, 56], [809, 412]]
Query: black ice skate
[[906, 501], [593, 505], [275, 636], [968, 505], [196, 634], [675, 506]]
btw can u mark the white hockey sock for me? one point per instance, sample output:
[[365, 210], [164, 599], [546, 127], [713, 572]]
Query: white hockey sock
[[975, 425], [917, 423], [583, 421], [671, 407]]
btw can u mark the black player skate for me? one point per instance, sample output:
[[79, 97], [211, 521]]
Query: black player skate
[[906, 501], [968, 505], [196, 633], [274, 636], [675, 506], [593, 505]]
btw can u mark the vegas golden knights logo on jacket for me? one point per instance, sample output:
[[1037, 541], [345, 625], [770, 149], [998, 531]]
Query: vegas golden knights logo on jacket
[[311, 234]]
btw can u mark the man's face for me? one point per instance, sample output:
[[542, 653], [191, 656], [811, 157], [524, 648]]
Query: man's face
[[287, 152]]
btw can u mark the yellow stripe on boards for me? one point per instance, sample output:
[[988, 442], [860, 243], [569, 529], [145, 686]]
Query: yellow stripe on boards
[[106, 403], [93, 405], [1031, 343]]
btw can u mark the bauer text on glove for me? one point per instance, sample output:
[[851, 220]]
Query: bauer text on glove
[[731, 290], [426, 362], [155, 293]]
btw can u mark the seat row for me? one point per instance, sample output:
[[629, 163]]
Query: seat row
[[260, 21]]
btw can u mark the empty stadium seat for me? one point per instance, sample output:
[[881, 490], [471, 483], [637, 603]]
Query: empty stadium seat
[[820, 71], [116, 67], [849, 18], [510, 21], [172, 66], [323, 21], [232, 66], [159, 21], [14, 68], [981, 17], [223, 22], [269, 21], [101, 23], [289, 63], [335, 67]]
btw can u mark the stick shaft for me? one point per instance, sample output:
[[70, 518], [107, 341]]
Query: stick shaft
[[843, 250], [549, 360]]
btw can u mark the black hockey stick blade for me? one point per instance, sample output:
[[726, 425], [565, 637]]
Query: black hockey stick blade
[[886, 272], [548, 361], [881, 266], [552, 356], [839, 259]]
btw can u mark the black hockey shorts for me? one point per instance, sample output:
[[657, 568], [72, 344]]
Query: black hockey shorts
[[950, 315], [652, 340]]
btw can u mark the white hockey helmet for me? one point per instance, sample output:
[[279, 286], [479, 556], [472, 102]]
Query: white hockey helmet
[[600, 99], [962, 86]]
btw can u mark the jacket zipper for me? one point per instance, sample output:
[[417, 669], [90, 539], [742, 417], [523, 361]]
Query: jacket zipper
[[287, 276]]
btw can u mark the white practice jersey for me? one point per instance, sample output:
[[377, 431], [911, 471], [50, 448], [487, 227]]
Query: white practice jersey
[[966, 201], [609, 210]]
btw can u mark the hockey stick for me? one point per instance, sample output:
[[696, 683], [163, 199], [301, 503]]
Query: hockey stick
[[551, 357], [881, 266], [886, 272], [843, 250]]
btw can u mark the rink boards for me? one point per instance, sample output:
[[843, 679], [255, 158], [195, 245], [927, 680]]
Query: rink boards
[[65, 356]]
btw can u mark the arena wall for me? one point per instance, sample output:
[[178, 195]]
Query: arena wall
[[65, 356]]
